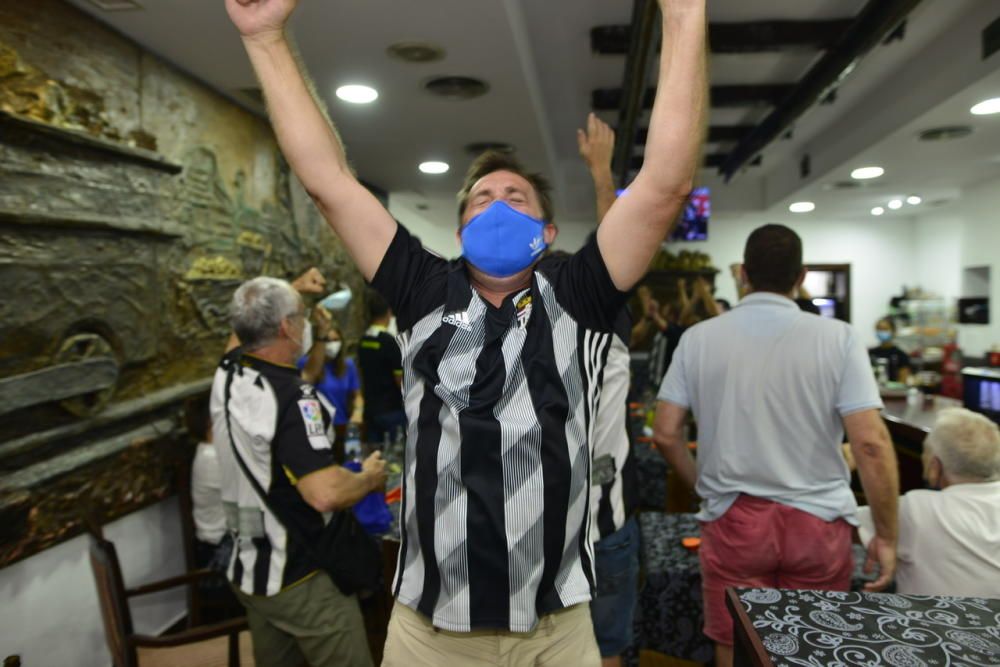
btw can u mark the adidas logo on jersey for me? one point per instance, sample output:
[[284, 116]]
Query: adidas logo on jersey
[[459, 318]]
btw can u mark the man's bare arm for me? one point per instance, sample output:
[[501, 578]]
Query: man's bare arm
[[639, 220], [307, 138], [668, 435], [876, 462]]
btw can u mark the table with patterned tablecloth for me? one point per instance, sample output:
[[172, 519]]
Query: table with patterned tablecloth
[[669, 616], [832, 629]]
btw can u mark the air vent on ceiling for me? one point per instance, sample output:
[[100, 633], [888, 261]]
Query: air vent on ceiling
[[480, 147], [416, 52], [457, 87], [116, 5], [946, 133], [843, 185]]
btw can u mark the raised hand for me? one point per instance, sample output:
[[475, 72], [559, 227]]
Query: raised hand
[[310, 282], [260, 18], [596, 143], [321, 320]]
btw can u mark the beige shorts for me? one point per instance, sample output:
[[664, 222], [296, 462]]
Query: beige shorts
[[565, 637]]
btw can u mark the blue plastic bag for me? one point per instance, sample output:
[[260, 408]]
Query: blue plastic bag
[[372, 512]]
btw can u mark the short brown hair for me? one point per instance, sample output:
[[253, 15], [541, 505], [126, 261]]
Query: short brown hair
[[492, 161], [772, 259]]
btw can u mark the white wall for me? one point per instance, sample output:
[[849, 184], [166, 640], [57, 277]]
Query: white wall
[[880, 252], [962, 235], [50, 614]]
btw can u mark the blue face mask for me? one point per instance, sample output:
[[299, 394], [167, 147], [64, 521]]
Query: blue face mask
[[883, 336], [501, 241]]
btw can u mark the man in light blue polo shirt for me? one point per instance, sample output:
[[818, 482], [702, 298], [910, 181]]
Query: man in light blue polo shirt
[[773, 389]]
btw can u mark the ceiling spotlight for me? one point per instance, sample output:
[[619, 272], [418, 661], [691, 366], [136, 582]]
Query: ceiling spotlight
[[865, 173], [896, 204], [986, 107], [357, 94], [913, 200], [434, 167], [878, 210], [802, 207]]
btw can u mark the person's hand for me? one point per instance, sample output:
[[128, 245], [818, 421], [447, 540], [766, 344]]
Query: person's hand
[[260, 19], [321, 321], [374, 468], [652, 308], [310, 282], [596, 143], [883, 552], [734, 269], [682, 286], [701, 286]]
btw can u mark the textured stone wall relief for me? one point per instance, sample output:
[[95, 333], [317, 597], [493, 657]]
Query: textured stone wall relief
[[133, 201]]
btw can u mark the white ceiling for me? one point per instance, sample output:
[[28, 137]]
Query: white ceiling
[[536, 56]]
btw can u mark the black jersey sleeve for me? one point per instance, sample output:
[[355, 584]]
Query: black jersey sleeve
[[410, 278]]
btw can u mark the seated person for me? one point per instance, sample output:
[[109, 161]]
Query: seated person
[[898, 361], [212, 543], [949, 540], [334, 375]]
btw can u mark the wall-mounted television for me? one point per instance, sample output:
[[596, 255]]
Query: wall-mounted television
[[693, 225]]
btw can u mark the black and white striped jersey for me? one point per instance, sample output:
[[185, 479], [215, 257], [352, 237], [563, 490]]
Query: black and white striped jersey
[[500, 403], [283, 430], [614, 485]]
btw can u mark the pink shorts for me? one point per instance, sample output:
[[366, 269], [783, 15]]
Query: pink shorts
[[758, 543]]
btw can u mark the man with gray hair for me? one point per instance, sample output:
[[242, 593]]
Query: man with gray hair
[[949, 539], [269, 423]]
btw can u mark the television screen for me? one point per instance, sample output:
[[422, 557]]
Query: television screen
[[693, 225]]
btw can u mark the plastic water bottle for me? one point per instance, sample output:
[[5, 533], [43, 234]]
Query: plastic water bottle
[[352, 442]]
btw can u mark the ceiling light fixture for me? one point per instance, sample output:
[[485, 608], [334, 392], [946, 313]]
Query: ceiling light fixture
[[357, 94], [913, 200], [986, 107], [866, 173], [802, 207], [878, 210], [896, 204], [434, 167]]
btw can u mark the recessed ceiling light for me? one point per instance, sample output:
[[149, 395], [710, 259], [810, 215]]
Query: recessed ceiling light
[[986, 107], [802, 207], [357, 94], [913, 200], [896, 204], [865, 173], [878, 210], [434, 167]]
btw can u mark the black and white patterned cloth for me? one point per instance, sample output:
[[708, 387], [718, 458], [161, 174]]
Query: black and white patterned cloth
[[832, 629], [651, 471], [669, 616]]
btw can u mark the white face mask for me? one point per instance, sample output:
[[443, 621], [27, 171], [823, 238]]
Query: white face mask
[[338, 300], [333, 349]]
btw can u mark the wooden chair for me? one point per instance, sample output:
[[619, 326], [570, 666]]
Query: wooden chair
[[206, 646]]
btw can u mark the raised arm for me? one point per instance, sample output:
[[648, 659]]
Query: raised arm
[[307, 138], [597, 145], [639, 221]]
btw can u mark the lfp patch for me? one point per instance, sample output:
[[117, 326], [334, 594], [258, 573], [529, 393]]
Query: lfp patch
[[312, 417]]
